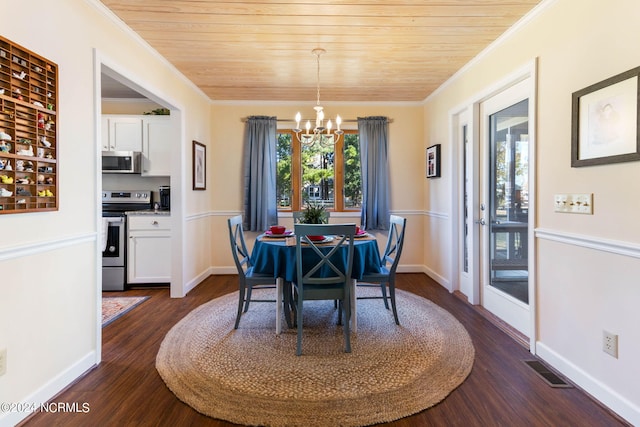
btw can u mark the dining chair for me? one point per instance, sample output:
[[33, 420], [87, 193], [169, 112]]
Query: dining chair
[[389, 264], [297, 215], [324, 273], [247, 279]]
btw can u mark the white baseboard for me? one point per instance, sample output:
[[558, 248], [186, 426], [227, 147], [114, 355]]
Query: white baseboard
[[443, 281], [599, 391], [191, 284], [50, 390]]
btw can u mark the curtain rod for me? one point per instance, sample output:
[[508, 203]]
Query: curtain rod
[[244, 119]]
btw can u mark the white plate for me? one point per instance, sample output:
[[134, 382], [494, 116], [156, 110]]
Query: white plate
[[325, 240], [287, 233], [365, 234]]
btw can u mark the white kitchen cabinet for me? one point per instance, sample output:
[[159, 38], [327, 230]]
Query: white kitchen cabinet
[[121, 133], [156, 146], [149, 249]]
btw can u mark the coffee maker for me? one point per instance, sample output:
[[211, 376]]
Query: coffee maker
[[165, 197]]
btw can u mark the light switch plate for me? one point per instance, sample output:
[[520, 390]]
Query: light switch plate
[[580, 203]]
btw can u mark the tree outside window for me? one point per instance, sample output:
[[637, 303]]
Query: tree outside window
[[328, 176]]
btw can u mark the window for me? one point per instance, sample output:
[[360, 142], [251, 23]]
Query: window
[[329, 176]]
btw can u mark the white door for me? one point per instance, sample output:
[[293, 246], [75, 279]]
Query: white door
[[468, 236], [503, 210]]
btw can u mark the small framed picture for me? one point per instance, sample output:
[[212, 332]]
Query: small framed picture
[[604, 121], [433, 161], [199, 166]]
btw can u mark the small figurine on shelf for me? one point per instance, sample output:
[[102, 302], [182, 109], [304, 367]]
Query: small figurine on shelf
[[20, 191], [23, 152], [40, 121], [49, 180], [38, 104], [17, 93], [40, 179], [5, 193], [19, 165], [4, 137], [4, 147], [5, 179], [20, 75], [2, 163], [45, 142], [8, 166], [28, 166]]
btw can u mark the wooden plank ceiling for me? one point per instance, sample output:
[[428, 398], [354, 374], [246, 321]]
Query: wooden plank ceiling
[[376, 50]]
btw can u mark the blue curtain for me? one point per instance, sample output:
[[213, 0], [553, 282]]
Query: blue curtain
[[260, 211], [374, 149]]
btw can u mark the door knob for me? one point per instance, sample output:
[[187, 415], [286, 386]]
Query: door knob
[[481, 221]]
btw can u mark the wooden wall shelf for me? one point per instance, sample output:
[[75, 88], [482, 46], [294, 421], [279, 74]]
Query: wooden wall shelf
[[28, 131]]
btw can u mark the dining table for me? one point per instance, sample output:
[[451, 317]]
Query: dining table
[[276, 256]]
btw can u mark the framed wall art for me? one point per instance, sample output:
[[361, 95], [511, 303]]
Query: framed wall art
[[199, 166], [604, 121], [433, 161]]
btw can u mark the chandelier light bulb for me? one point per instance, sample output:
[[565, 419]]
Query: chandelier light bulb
[[318, 136]]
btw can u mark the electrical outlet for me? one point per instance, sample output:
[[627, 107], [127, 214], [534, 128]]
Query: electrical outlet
[[610, 343], [3, 361], [580, 203]]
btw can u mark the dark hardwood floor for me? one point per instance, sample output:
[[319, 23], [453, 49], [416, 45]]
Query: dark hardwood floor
[[126, 390]]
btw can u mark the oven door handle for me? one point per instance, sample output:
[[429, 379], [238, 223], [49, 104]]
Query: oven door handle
[[114, 219]]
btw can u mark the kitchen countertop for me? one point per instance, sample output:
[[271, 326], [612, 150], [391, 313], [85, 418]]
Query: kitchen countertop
[[149, 212]]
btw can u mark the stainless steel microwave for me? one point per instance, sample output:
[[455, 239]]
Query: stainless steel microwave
[[121, 161]]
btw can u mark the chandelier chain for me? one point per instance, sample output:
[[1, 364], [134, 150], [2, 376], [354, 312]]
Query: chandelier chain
[[318, 76]]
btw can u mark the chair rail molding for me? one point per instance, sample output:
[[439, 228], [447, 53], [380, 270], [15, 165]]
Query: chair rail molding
[[19, 251], [604, 245]]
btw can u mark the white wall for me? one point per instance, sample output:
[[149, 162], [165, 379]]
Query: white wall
[[49, 262], [587, 265]]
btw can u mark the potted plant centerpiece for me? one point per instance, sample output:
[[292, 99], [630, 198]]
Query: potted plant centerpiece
[[314, 214]]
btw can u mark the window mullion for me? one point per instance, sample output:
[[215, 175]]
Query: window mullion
[[338, 184], [296, 172]]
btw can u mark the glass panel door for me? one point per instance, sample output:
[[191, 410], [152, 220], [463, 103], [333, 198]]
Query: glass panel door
[[504, 205], [509, 196]]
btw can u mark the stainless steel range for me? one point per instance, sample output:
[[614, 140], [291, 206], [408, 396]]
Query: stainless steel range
[[114, 222]]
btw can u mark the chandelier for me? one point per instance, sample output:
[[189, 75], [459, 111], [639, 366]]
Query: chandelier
[[319, 134]]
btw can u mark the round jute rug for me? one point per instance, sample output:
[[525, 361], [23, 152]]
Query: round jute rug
[[251, 376]]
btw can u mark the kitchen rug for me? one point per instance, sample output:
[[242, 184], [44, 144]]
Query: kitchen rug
[[114, 307], [251, 376]]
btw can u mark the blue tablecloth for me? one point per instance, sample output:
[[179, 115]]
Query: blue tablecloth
[[275, 258]]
